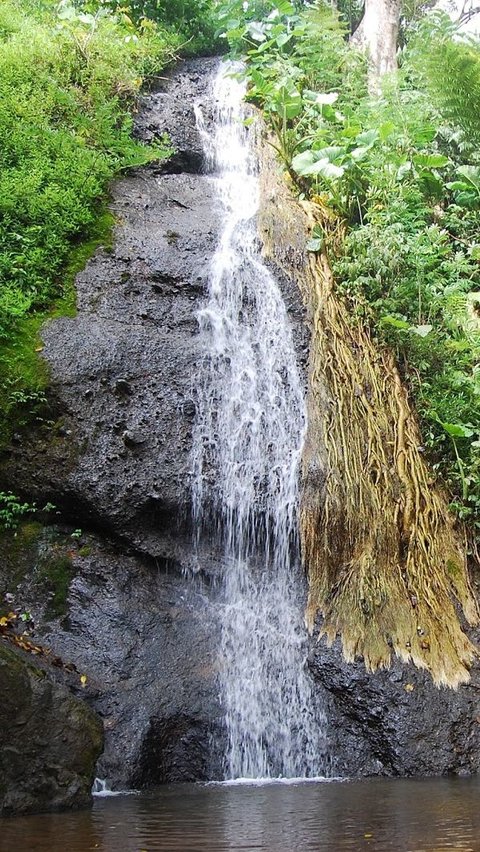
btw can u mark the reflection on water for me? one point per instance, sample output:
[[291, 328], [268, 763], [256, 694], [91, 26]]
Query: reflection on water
[[428, 815]]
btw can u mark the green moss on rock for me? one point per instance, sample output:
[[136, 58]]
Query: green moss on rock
[[49, 740], [56, 571]]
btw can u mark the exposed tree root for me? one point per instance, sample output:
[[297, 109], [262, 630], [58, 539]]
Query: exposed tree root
[[386, 564]]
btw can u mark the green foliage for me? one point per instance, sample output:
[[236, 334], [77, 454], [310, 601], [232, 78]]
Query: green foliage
[[451, 71], [56, 572], [194, 21], [400, 173], [64, 131], [246, 25], [69, 76], [351, 11], [296, 62], [12, 510]]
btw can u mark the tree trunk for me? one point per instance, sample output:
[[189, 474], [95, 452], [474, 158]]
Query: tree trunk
[[378, 33]]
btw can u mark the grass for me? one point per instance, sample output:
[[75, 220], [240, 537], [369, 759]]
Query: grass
[[24, 375]]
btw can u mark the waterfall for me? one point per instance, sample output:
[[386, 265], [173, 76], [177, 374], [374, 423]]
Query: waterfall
[[248, 437]]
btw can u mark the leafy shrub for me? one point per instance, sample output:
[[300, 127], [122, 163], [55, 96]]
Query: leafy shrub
[[65, 84], [451, 70], [68, 81], [195, 21], [12, 510]]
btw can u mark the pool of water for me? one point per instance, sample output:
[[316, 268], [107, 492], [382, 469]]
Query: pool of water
[[427, 815]]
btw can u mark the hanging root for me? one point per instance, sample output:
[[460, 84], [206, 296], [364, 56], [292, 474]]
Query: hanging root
[[385, 562]]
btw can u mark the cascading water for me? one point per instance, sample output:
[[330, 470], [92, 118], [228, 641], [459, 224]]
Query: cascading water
[[248, 437]]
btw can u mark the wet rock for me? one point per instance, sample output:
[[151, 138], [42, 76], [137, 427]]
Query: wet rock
[[123, 371], [189, 408], [122, 386], [170, 109], [132, 439], [396, 722], [133, 347], [146, 638], [49, 740]]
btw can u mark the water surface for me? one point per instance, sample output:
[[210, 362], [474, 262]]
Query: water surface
[[393, 815]]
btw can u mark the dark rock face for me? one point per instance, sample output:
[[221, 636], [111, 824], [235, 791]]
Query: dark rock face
[[123, 378], [147, 645], [171, 110], [123, 370], [137, 620], [145, 638], [49, 740], [396, 722]]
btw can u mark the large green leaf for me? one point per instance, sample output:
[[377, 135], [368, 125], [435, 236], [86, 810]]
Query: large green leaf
[[458, 430], [287, 102], [421, 330], [330, 153], [367, 139], [284, 7], [431, 161], [323, 168], [302, 161], [360, 153], [472, 175], [459, 186], [395, 322], [256, 30], [320, 163], [330, 170], [424, 134]]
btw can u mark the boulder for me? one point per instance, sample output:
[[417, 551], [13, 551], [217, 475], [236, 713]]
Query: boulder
[[50, 740]]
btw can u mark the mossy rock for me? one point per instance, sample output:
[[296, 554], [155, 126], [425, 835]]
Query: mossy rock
[[49, 740], [38, 567], [56, 571]]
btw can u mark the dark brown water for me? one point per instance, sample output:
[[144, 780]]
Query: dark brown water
[[382, 815]]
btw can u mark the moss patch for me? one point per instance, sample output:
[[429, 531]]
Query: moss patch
[[85, 551], [56, 572], [19, 550], [24, 374]]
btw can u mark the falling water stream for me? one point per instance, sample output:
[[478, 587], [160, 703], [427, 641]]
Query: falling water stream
[[248, 437]]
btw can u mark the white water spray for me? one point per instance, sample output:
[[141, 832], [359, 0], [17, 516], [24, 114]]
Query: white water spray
[[248, 438]]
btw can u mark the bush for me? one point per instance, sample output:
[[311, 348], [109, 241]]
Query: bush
[[195, 21], [68, 82], [65, 86], [402, 173]]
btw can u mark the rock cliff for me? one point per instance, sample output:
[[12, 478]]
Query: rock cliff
[[138, 614]]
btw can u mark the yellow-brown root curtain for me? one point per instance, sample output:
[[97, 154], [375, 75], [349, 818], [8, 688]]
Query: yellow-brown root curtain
[[386, 563]]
